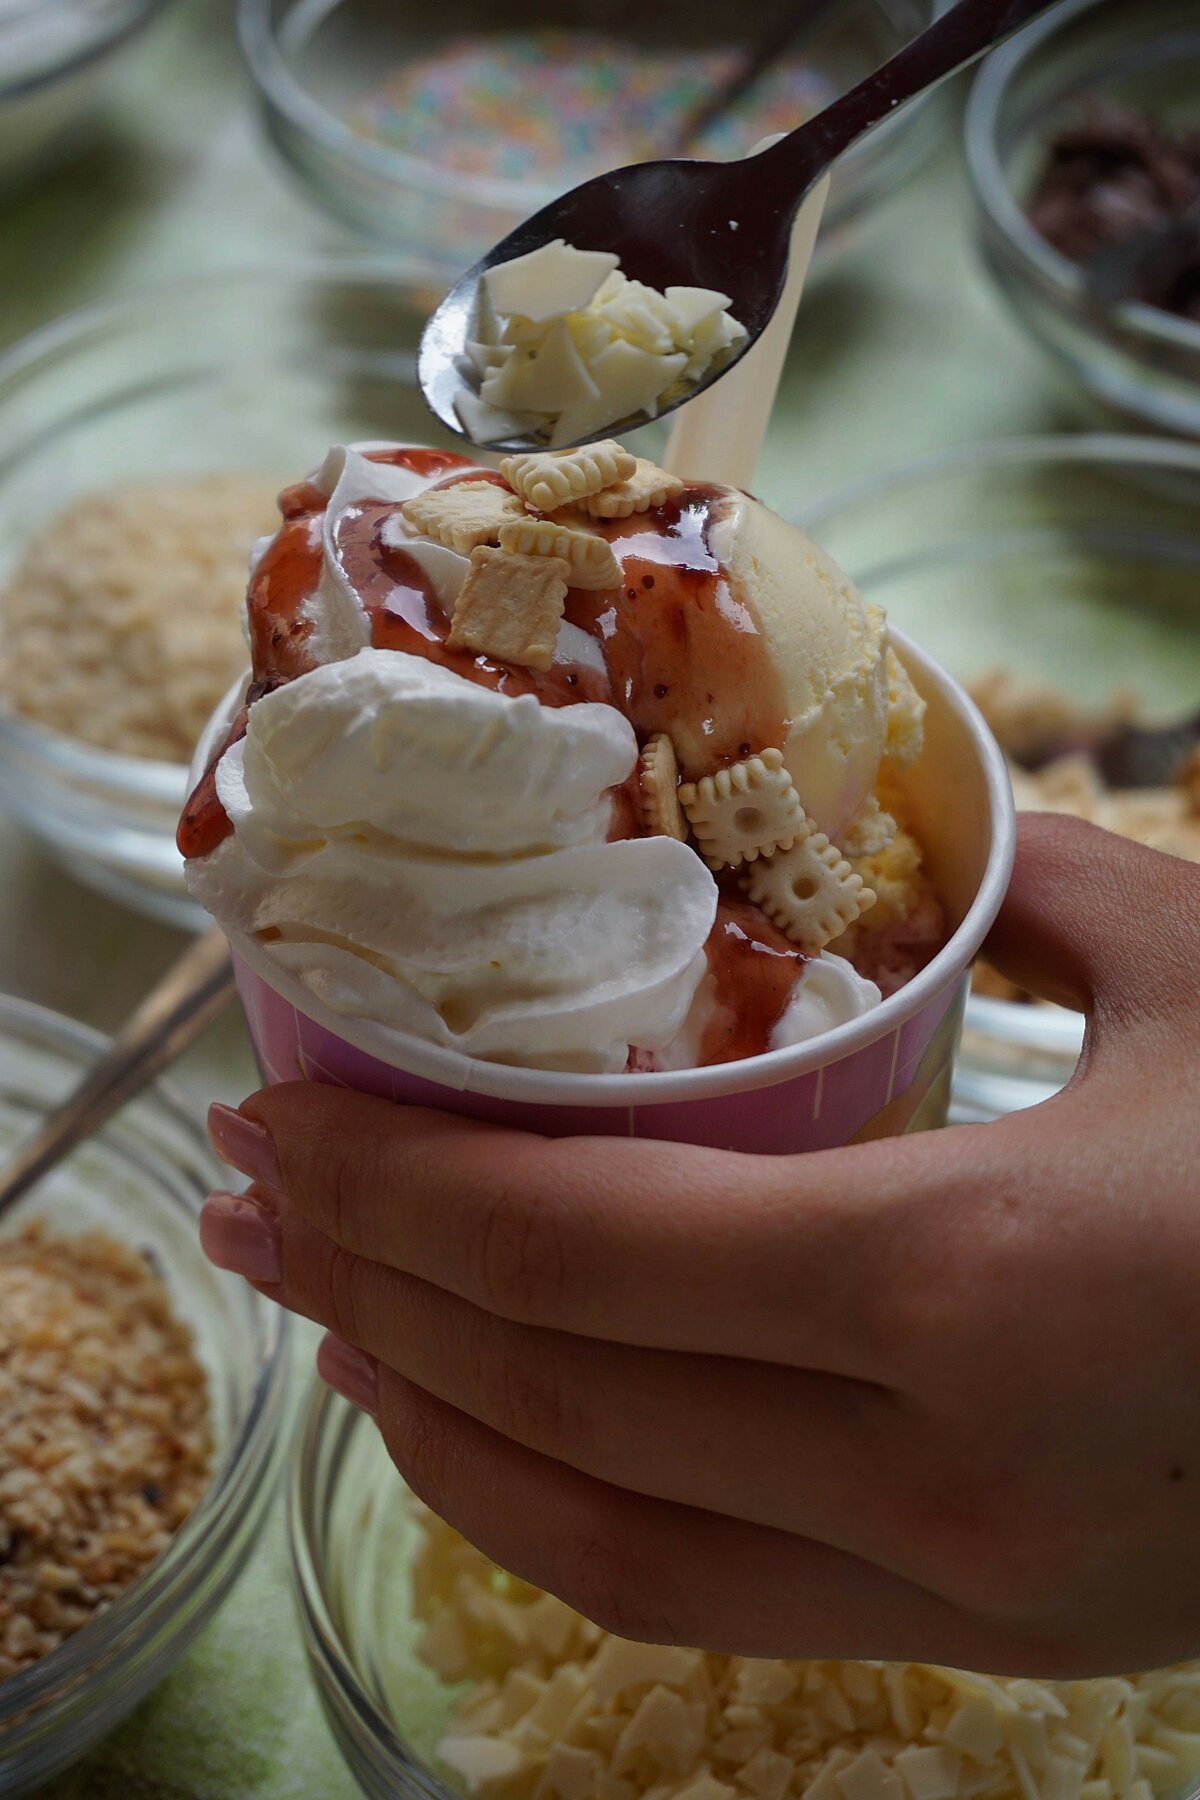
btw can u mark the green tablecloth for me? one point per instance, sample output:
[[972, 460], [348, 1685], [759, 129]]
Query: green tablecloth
[[902, 349]]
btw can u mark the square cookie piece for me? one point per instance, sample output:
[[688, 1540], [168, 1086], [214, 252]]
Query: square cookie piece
[[462, 515], [511, 606]]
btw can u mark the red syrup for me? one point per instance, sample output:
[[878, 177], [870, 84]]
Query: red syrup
[[755, 969], [683, 652]]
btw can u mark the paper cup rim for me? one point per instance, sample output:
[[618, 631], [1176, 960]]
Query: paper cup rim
[[453, 1070]]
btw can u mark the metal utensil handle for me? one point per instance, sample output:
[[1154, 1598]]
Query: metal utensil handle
[[172, 1016], [961, 35]]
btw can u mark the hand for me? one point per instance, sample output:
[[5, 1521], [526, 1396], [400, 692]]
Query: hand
[[933, 1398]]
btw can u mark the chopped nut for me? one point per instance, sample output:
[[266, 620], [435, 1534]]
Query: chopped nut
[[550, 479], [659, 776], [511, 606], [590, 559], [645, 488], [462, 515], [809, 891], [105, 1439], [744, 812]]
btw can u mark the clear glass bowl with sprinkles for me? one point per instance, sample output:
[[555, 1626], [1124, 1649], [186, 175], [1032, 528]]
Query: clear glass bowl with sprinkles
[[139, 1183], [439, 139]]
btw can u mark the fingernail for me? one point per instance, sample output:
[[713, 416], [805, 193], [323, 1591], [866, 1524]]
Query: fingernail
[[244, 1144], [242, 1235], [350, 1373]]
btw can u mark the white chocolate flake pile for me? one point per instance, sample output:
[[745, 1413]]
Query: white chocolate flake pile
[[566, 346], [560, 1710]]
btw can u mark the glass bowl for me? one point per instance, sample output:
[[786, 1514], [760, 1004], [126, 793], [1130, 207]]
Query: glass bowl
[[313, 65], [55, 56], [142, 1180], [1074, 561], [256, 371], [1132, 359]]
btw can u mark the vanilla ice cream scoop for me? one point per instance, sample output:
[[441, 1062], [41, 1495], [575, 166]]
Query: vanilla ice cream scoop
[[563, 788]]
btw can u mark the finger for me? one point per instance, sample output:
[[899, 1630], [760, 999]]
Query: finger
[[666, 1574], [846, 1463], [814, 1261], [1100, 924]]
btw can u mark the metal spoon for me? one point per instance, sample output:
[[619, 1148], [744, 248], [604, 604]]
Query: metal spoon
[[174, 1013], [714, 225]]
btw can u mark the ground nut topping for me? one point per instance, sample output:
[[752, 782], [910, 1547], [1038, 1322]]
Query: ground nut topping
[[105, 1438], [121, 619]]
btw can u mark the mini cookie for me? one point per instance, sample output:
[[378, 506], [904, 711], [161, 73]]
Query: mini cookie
[[809, 891], [550, 479], [463, 515], [646, 487], [870, 831], [744, 812], [906, 715], [590, 558], [510, 607], [658, 774]]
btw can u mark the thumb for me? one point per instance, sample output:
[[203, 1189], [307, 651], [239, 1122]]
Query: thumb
[[1100, 924]]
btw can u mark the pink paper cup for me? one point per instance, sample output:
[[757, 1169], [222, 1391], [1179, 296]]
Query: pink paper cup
[[883, 1074]]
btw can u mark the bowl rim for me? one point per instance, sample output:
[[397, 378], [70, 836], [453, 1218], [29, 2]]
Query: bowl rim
[[29, 1693], [1049, 268], [374, 268], [122, 19], [284, 95], [1097, 449], [320, 1411]]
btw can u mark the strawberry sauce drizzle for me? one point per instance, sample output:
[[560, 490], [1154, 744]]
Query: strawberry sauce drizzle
[[755, 969], [683, 651]]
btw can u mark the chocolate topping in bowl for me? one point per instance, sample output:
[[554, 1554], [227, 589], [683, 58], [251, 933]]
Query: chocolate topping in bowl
[[1113, 176]]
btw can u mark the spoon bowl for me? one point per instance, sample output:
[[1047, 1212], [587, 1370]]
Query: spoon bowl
[[671, 224], [725, 226]]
